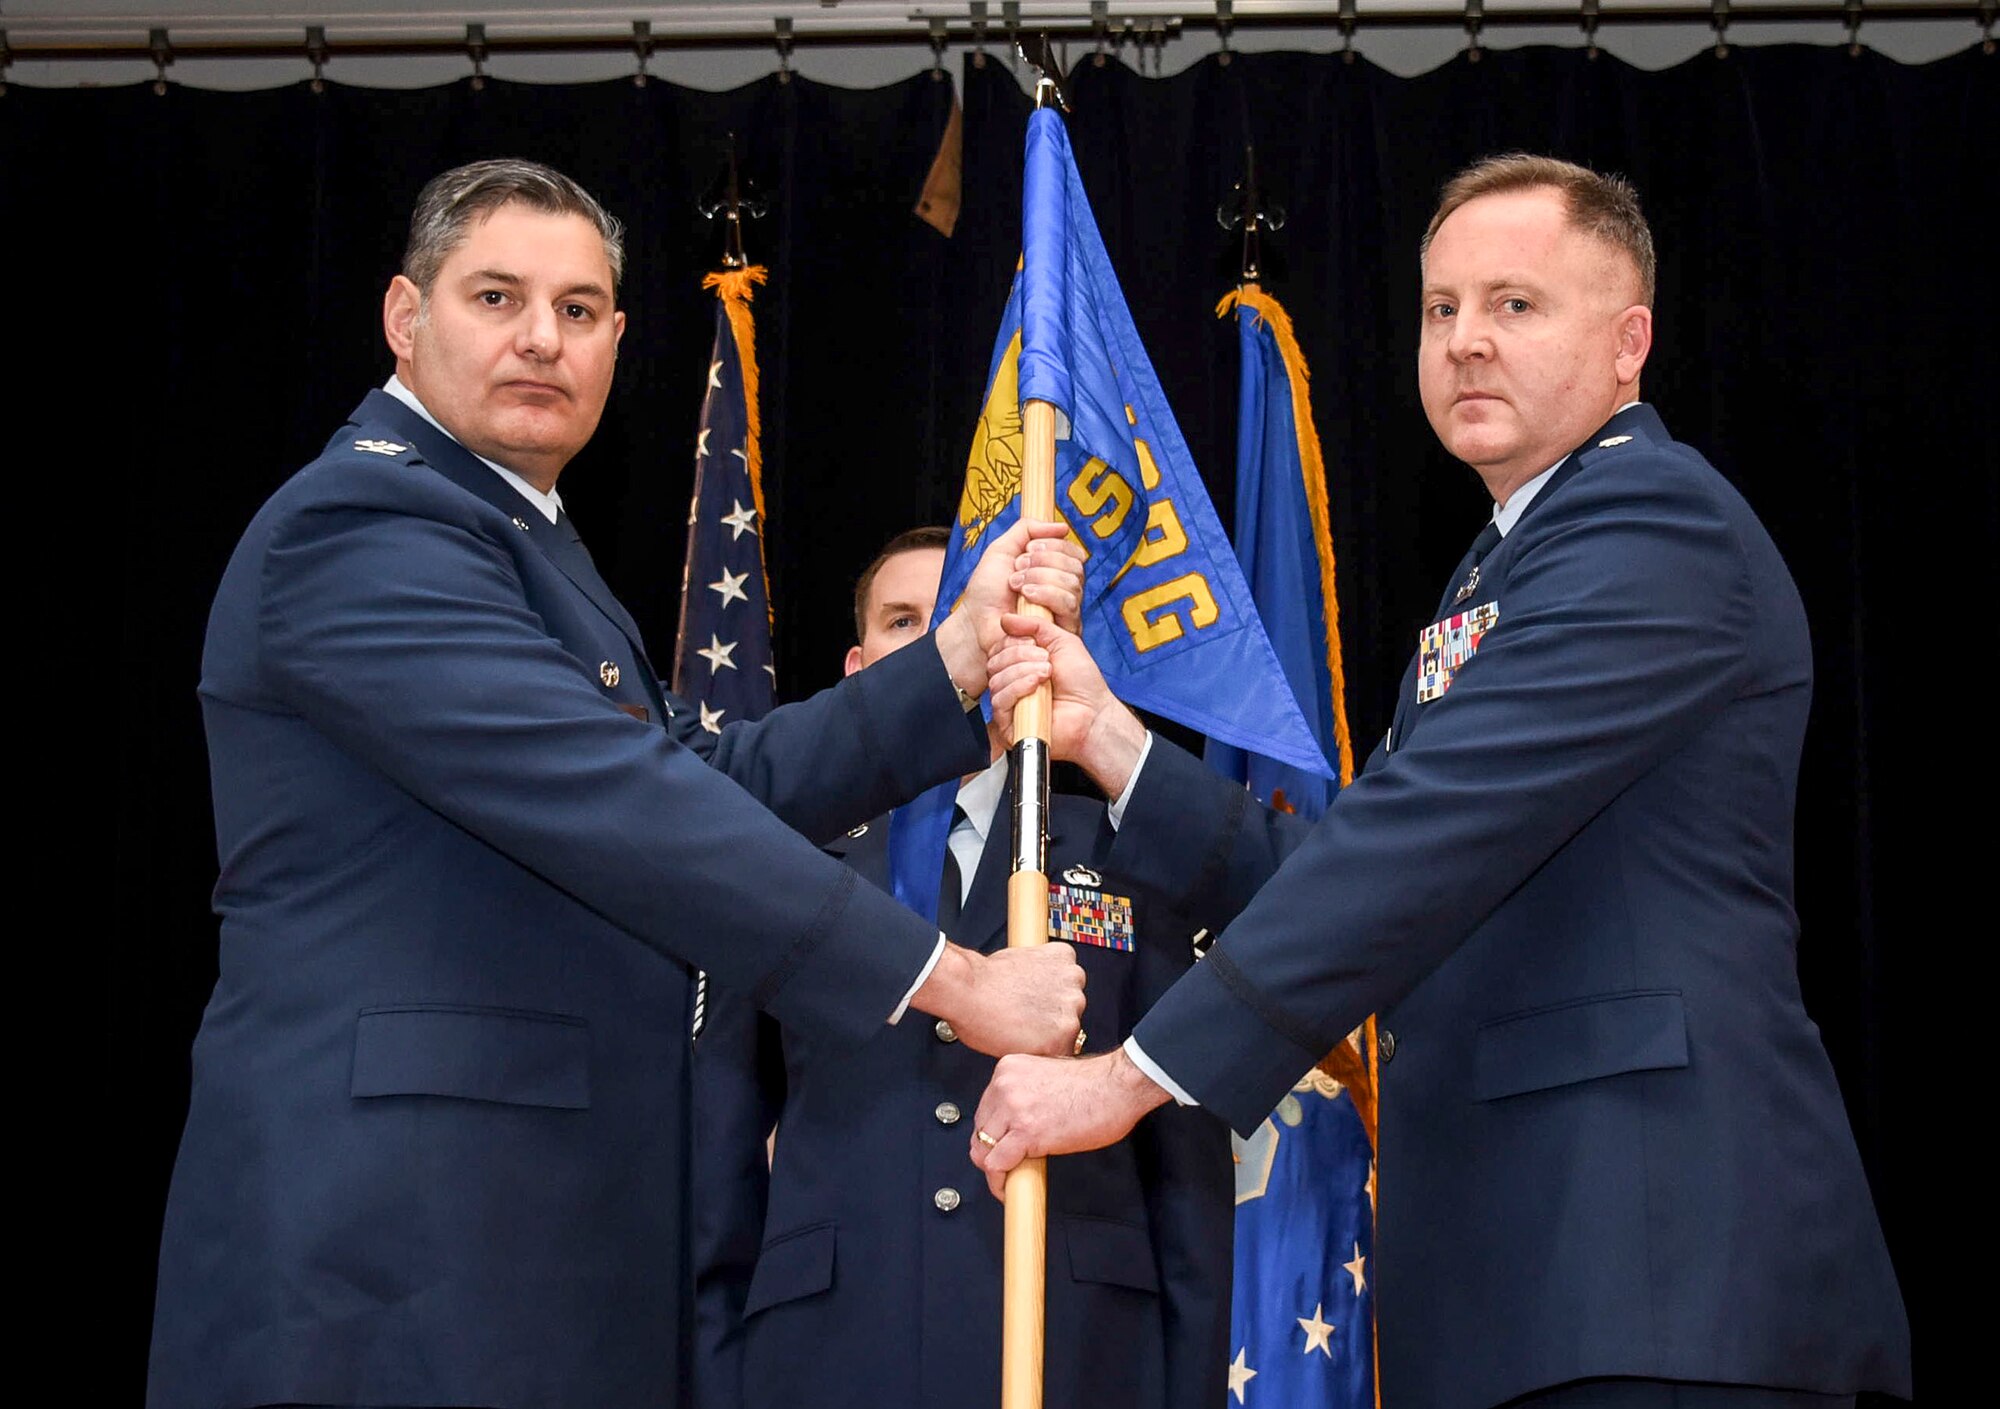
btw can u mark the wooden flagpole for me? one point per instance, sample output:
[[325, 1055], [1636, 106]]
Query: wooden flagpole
[[1024, 1258], [1025, 1243]]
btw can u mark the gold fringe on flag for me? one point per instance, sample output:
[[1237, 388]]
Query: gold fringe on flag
[[1345, 1064], [1270, 312], [736, 288]]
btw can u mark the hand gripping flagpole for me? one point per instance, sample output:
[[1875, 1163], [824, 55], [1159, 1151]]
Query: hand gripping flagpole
[[1025, 1236]]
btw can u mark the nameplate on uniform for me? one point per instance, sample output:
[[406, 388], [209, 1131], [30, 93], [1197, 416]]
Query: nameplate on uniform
[[1086, 915], [1444, 646]]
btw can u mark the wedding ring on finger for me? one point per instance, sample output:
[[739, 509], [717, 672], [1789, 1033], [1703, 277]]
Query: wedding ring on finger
[[987, 1140], [1077, 1051]]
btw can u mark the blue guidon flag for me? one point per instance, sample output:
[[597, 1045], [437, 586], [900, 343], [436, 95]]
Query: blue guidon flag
[[1166, 614]]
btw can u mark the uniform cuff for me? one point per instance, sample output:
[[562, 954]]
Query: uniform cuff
[[1115, 813], [1153, 1073], [923, 974]]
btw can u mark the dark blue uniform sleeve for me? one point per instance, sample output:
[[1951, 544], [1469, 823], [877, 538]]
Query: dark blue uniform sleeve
[[405, 638], [1623, 630], [851, 752]]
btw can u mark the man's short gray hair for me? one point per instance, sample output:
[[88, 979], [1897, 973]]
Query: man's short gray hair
[[450, 203]]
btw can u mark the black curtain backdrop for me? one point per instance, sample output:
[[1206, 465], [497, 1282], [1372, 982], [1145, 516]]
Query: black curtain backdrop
[[1825, 335]]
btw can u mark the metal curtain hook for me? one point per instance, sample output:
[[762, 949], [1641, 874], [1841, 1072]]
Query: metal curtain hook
[[782, 36], [163, 54], [6, 58], [937, 50], [1590, 29], [1718, 20], [1100, 24], [1475, 16], [977, 9], [475, 49], [316, 51], [642, 45], [1853, 29], [1347, 21], [1223, 17]]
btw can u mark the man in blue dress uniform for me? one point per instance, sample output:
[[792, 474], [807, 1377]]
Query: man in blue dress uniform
[[438, 1144], [1615, 1168], [861, 1268]]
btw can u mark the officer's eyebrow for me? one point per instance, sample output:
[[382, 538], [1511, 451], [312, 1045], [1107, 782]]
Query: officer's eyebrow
[[891, 609], [586, 288]]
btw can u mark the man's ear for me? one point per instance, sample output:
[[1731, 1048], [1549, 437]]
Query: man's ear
[[400, 307], [1635, 340], [618, 327], [853, 662]]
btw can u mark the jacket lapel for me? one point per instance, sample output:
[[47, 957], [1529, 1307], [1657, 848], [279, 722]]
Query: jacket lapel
[[558, 541], [1635, 422]]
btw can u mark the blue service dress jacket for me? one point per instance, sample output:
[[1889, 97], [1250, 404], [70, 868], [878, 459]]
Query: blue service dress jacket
[[1611, 1140], [864, 1268], [437, 1150]]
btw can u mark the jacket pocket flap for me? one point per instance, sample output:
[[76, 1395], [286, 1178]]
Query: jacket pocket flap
[[795, 1265], [478, 1054], [1580, 1041], [1101, 1250]]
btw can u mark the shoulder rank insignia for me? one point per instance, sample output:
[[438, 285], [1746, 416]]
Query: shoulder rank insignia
[[1082, 876], [1444, 646], [520, 523], [1080, 914], [1611, 440], [380, 447]]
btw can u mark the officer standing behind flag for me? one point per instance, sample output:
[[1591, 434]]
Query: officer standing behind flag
[[861, 1269], [438, 1137], [1616, 1172]]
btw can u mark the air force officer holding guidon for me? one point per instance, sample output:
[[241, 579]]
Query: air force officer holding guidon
[[438, 1140], [1616, 1172], [864, 1267]]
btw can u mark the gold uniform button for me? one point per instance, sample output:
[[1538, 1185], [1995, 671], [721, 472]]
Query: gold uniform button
[[945, 1031], [947, 1113], [607, 671], [945, 1199]]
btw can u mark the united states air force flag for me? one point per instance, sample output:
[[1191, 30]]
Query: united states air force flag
[[1302, 1318], [722, 656], [1167, 614]]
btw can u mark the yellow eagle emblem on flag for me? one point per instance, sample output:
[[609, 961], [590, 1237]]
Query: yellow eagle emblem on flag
[[993, 470]]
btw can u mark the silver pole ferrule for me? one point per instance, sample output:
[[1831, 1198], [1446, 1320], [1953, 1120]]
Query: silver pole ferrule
[[1028, 784]]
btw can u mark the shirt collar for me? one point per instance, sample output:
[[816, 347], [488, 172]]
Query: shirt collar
[[548, 505], [981, 797], [1504, 519]]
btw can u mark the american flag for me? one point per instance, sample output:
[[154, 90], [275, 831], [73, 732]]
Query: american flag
[[722, 655]]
